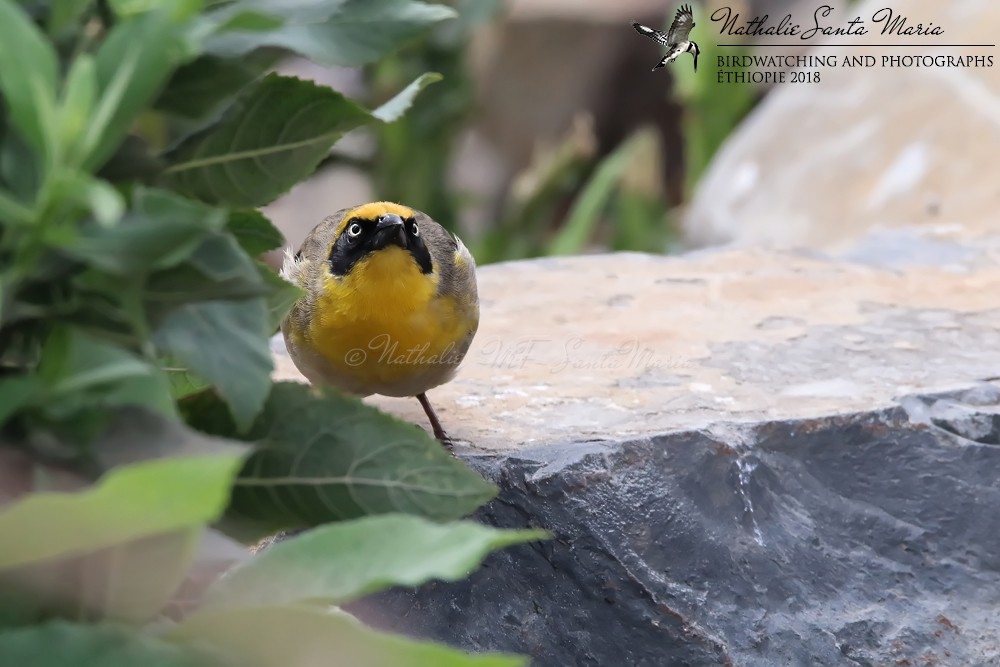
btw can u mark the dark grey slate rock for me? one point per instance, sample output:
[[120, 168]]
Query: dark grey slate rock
[[864, 539]]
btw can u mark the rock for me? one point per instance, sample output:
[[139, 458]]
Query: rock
[[868, 538], [819, 164], [747, 457], [619, 346]]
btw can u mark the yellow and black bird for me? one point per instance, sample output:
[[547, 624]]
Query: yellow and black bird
[[391, 304]]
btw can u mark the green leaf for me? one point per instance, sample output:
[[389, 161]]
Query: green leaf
[[322, 456], [130, 8], [182, 381], [151, 390], [76, 188], [254, 232], [16, 393], [201, 88], [341, 562], [277, 636], [77, 105], [103, 201], [60, 644], [218, 269], [127, 503], [133, 64], [397, 106], [271, 138], [136, 436], [281, 298], [224, 342], [236, 17], [133, 162], [28, 75], [85, 372], [335, 34], [585, 214], [160, 231], [65, 14], [19, 172]]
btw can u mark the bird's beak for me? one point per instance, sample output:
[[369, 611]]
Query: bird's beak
[[390, 229], [695, 54]]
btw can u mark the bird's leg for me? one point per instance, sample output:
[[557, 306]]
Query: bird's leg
[[435, 423]]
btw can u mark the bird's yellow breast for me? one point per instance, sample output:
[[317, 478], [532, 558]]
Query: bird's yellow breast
[[384, 325]]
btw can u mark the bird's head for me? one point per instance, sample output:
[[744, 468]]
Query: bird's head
[[693, 48], [368, 232]]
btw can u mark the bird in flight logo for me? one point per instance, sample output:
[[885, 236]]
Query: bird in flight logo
[[676, 39]]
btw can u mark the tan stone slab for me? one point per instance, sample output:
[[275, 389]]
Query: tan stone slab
[[629, 345]]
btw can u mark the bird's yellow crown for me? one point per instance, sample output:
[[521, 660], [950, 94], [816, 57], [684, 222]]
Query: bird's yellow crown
[[372, 210]]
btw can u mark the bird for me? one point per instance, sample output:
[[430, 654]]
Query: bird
[[676, 39], [391, 304]]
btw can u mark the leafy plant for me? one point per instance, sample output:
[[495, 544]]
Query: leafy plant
[[413, 155], [567, 200], [140, 432], [618, 203], [712, 110]]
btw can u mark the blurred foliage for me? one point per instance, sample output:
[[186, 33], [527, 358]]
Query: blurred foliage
[[712, 110], [141, 434], [414, 154], [567, 200]]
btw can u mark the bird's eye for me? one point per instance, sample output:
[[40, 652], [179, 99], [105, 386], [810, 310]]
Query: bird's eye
[[414, 229], [354, 229]]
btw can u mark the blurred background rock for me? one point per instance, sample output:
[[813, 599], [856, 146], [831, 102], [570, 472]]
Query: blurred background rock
[[550, 135]]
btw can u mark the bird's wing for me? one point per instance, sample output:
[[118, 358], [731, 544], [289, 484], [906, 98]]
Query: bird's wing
[[681, 27], [655, 35]]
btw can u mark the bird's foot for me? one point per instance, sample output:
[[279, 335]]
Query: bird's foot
[[446, 442], [439, 433]]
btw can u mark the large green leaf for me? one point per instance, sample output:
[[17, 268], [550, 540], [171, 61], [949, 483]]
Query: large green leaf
[[218, 269], [253, 231], [344, 561], [161, 230], [129, 502], [322, 456], [271, 138], [201, 88], [347, 33], [308, 637], [133, 64], [61, 644], [28, 75], [93, 372], [226, 343]]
